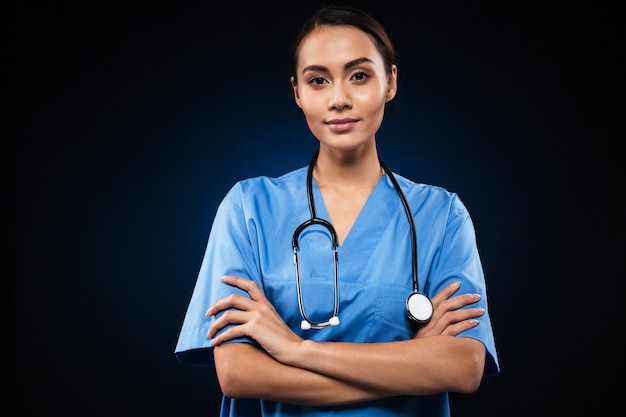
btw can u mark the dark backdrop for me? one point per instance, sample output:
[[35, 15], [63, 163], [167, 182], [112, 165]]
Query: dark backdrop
[[132, 121]]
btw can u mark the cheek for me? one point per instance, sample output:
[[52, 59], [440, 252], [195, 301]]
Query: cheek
[[310, 114], [310, 108], [371, 101]]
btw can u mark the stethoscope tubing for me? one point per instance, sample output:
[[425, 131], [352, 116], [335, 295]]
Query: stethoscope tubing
[[335, 244], [314, 220], [409, 216]]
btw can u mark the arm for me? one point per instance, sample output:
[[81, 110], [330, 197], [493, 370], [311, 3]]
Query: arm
[[333, 373], [246, 371], [413, 367]]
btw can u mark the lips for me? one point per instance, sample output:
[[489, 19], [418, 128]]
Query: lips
[[341, 125]]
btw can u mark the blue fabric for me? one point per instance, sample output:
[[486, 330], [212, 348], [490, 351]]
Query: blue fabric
[[251, 237]]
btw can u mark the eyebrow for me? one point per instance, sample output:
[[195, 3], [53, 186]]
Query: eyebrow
[[348, 65]]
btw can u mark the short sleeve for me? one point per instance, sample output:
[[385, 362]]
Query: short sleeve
[[228, 252], [459, 260]]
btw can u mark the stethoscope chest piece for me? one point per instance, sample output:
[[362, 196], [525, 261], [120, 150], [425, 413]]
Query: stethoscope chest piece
[[419, 308]]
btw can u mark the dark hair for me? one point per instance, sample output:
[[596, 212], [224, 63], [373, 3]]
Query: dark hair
[[343, 15]]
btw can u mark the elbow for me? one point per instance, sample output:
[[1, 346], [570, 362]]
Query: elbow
[[470, 383], [229, 383], [232, 384], [472, 373], [230, 377]]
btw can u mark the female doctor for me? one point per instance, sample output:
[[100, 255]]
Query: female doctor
[[335, 334]]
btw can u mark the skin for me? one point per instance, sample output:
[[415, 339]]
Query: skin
[[343, 79], [342, 90]]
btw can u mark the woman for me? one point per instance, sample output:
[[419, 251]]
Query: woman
[[303, 342]]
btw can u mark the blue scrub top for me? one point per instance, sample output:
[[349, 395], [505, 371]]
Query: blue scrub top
[[251, 237]]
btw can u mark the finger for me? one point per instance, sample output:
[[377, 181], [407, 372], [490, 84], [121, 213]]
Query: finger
[[229, 317], [245, 284], [457, 316], [229, 334], [455, 303], [445, 319], [232, 301], [459, 327], [446, 307], [446, 292]]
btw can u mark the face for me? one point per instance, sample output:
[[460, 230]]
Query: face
[[342, 86]]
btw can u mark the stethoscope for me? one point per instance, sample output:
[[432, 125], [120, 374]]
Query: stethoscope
[[419, 308]]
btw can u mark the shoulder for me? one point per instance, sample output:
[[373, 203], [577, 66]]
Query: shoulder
[[431, 198], [423, 191], [260, 188]]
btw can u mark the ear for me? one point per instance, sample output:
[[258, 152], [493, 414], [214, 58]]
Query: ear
[[296, 96], [392, 88]]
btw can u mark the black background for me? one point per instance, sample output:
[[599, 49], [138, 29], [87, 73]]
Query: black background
[[131, 122]]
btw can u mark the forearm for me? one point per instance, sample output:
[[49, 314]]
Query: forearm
[[290, 369], [414, 367], [245, 371]]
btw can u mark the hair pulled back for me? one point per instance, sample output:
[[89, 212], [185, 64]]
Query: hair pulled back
[[343, 15]]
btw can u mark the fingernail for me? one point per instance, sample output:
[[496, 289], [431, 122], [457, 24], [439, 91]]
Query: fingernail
[[455, 284]]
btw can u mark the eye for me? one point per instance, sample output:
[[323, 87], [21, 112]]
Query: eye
[[317, 81], [360, 76]]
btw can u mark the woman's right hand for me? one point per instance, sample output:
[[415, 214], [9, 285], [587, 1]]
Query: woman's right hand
[[254, 317], [449, 318]]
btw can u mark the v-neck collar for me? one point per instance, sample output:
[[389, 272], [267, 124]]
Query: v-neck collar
[[363, 237], [379, 206]]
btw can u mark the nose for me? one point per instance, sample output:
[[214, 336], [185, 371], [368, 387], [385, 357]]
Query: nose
[[339, 97]]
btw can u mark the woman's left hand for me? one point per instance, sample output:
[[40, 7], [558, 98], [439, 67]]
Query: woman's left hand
[[450, 317], [253, 317]]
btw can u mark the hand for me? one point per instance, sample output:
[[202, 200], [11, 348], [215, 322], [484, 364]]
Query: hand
[[254, 317], [449, 318]]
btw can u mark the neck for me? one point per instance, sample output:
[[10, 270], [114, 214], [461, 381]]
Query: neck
[[347, 169]]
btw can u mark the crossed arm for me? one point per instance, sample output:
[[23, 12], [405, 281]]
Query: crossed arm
[[290, 369]]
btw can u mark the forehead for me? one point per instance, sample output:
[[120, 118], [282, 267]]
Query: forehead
[[337, 44]]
